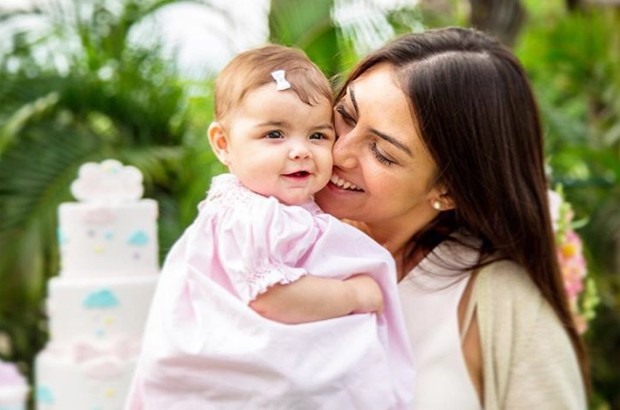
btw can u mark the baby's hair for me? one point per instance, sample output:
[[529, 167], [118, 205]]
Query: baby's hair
[[252, 69]]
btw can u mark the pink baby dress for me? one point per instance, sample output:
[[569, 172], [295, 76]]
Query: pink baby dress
[[204, 348]]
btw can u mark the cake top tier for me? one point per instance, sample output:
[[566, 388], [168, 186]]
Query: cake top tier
[[107, 182]]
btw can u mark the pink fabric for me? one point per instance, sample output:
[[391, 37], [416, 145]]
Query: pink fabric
[[204, 348]]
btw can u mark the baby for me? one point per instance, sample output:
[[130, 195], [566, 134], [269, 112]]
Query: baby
[[265, 301]]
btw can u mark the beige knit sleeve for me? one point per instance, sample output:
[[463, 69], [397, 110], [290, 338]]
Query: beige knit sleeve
[[528, 360], [545, 373]]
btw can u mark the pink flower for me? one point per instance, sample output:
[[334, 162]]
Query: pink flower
[[572, 264], [582, 299]]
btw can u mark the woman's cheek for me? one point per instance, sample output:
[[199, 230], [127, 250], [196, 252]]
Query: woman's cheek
[[341, 127]]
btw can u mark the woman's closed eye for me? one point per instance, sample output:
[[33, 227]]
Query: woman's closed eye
[[382, 158], [351, 121], [348, 118]]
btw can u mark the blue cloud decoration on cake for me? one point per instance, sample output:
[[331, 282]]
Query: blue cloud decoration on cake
[[101, 299]]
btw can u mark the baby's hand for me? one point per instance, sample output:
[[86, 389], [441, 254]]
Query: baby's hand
[[367, 293]]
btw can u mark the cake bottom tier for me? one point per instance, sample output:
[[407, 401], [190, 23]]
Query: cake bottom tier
[[96, 381]]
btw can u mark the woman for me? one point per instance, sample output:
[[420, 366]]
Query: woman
[[440, 158]]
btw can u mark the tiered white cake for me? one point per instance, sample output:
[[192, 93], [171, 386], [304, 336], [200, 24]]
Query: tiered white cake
[[98, 305]]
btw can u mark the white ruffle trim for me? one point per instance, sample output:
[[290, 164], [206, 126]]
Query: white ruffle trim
[[260, 282]]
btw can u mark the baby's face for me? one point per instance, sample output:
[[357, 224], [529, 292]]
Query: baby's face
[[279, 146]]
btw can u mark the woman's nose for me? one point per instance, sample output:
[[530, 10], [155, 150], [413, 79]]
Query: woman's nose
[[345, 152]]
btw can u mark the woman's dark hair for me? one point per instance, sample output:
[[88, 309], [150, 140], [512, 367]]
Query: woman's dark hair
[[475, 111]]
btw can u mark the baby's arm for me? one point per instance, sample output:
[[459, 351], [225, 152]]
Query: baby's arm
[[311, 298]]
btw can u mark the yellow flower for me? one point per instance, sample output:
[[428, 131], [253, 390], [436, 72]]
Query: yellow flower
[[569, 250]]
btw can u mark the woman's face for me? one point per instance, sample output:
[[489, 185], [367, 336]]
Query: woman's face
[[382, 172]]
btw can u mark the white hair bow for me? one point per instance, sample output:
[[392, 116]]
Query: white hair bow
[[281, 83]]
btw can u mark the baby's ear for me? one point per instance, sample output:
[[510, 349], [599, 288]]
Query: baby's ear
[[219, 142]]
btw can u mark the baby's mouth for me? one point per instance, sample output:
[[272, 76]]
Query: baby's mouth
[[298, 174]]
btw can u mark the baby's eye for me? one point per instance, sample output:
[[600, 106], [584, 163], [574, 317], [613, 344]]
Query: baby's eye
[[274, 135], [319, 136]]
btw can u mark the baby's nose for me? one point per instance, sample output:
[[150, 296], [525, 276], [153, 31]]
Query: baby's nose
[[299, 151]]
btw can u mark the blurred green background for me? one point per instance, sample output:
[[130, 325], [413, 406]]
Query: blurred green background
[[78, 88]]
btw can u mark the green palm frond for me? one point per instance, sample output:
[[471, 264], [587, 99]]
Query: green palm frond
[[93, 95], [34, 179], [18, 119], [309, 26]]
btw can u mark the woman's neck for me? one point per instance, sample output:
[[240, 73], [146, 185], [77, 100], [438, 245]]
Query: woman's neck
[[397, 242]]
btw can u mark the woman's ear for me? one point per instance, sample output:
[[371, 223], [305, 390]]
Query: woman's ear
[[442, 202], [219, 142]]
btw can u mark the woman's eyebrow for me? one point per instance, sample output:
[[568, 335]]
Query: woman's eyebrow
[[392, 141], [353, 100], [380, 134]]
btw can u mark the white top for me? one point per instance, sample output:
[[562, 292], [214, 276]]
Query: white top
[[430, 296]]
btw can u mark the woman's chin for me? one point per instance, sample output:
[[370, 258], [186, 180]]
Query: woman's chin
[[335, 200]]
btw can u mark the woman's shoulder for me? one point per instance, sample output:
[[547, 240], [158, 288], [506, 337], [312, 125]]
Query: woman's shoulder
[[514, 316], [507, 281], [505, 296]]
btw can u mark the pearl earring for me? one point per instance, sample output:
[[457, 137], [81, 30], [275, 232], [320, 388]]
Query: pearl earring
[[437, 204]]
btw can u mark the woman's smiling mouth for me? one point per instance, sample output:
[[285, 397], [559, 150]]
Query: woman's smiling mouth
[[341, 183]]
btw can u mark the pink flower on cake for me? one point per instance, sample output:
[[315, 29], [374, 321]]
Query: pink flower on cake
[[107, 369], [105, 362], [13, 387], [9, 375], [108, 181], [99, 216]]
